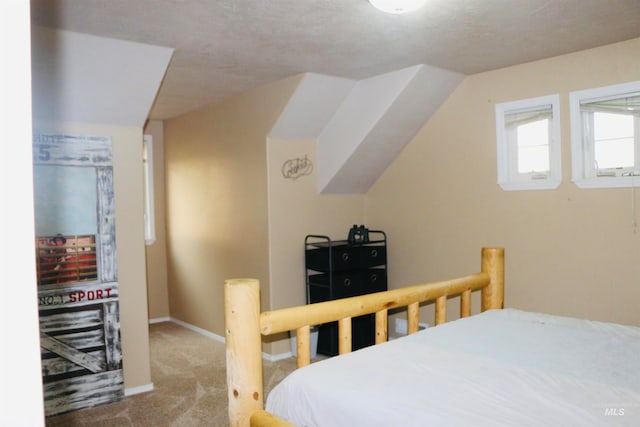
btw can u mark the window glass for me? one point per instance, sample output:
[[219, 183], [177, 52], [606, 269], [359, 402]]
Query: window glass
[[613, 140], [533, 147], [605, 140], [147, 167], [528, 142]]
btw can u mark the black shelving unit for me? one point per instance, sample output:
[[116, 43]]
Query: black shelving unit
[[339, 269]]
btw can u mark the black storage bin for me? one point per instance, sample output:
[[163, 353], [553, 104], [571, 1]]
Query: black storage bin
[[336, 258], [340, 269]]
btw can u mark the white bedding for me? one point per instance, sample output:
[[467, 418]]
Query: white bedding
[[499, 368]]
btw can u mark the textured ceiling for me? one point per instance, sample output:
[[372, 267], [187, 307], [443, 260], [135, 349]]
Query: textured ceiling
[[223, 47]]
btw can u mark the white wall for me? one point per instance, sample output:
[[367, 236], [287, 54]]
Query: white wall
[[20, 376]]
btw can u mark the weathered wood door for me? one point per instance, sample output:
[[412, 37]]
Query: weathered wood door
[[77, 274]]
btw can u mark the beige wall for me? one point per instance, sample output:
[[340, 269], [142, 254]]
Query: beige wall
[[295, 210], [127, 170], [216, 184], [569, 251], [157, 287]]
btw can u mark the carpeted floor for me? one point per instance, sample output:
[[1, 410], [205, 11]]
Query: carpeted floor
[[188, 373]]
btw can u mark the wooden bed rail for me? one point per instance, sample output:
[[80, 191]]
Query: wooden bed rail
[[245, 324]]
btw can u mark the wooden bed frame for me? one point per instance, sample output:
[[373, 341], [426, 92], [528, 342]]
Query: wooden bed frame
[[245, 324]]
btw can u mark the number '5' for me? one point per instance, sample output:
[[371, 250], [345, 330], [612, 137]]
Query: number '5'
[[43, 152]]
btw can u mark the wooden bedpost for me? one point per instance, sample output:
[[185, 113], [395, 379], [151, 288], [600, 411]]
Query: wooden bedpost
[[493, 265], [243, 350]]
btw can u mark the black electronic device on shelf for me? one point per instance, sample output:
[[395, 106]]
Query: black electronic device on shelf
[[344, 268]]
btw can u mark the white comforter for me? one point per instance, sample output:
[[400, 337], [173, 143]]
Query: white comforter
[[500, 368]]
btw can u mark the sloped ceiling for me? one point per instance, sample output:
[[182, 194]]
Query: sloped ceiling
[[88, 79], [225, 47], [361, 126]]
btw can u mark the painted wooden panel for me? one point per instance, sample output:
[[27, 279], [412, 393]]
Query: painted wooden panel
[[72, 354], [78, 304], [83, 339], [106, 226], [73, 320], [76, 295], [61, 366], [112, 335], [71, 150], [82, 392]]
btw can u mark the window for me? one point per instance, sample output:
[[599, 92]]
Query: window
[[147, 164], [605, 136], [528, 142]]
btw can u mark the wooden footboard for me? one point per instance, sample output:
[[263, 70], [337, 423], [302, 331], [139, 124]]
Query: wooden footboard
[[245, 325]]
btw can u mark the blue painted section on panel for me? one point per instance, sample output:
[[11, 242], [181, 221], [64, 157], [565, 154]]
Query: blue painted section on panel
[[65, 200]]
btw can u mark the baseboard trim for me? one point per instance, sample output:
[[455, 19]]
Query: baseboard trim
[[216, 337], [137, 390], [276, 357], [159, 320], [199, 330]]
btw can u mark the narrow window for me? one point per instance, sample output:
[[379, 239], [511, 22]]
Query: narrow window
[[147, 164], [605, 139], [528, 142]]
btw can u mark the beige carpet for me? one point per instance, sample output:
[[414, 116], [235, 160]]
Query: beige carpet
[[188, 373]]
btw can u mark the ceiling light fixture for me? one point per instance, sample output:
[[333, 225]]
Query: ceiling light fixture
[[397, 6]]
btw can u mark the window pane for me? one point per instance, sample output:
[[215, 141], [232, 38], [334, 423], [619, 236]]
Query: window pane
[[605, 144], [533, 147], [528, 142], [147, 165], [613, 140]]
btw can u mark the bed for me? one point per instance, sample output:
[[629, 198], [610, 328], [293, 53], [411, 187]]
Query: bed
[[498, 367]]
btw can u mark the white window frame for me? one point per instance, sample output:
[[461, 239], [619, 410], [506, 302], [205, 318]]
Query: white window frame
[[149, 213], [508, 177], [583, 174]]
